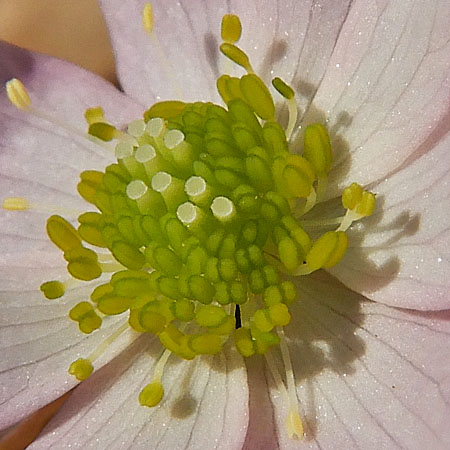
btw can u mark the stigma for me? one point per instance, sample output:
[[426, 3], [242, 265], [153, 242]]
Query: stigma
[[201, 219]]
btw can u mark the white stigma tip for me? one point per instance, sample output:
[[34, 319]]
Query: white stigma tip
[[147, 17], [136, 128], [136, 189], [123, 150], [173, 138], [145, 153], [155, 127], [187, 213], [17, 94], [195, 186], [161, 181], [222, 208]]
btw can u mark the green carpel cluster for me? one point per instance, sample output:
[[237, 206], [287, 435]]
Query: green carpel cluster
[[198, 212]]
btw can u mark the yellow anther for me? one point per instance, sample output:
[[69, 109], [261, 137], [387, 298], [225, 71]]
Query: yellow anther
[[15, 204], [17, 94], [317, 148], [244, 342], [356, 199], [62, 233], [367, 204], [294, 425], [352, 196], [294, 175], [206, 344], [236, 55], [53, 289], [231, 28], [328, 250], [94, 115], [152, 394], [81, 369], [147, 18], [103, 131], [257, 96], [283, 88]]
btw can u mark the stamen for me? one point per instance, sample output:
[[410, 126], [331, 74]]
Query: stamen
[[82, 367], [294, 423], [310, 202], [231, 28], [147, 18], [153, 393], [18, 96], [23, 204], [94, 115], [56, 289], [16, 204], [288, 93], [236, 55]]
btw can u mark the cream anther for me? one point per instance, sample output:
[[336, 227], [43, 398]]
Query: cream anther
[[147, 18], [155, 127], [173, 138], [222, 208], [294, 424], [15, 204], [17, 94], [136, 189]]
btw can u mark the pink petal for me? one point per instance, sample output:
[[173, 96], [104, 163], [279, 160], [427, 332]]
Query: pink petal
[[387, 87], [401, 255], [38, 341], [205, 405], [281, 39], [368, 376], [42, 162]]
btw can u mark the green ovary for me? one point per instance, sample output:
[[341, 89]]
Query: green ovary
[[199, 217]]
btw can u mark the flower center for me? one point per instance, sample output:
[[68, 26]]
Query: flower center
[[200, 222]]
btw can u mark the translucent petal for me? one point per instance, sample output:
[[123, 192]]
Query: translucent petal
[[401, 254], [386, 89], [283, 36], [368, 376], [205, 405]]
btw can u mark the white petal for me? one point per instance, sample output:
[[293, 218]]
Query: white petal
[[401, 255], [282, 38], [205, 405], [368, 376], [42, 162], [387, 88]]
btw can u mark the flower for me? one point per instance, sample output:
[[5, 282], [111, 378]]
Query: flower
[[368, 375]]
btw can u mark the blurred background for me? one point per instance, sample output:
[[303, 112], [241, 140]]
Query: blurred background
[[73, 30], [69, 29]]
